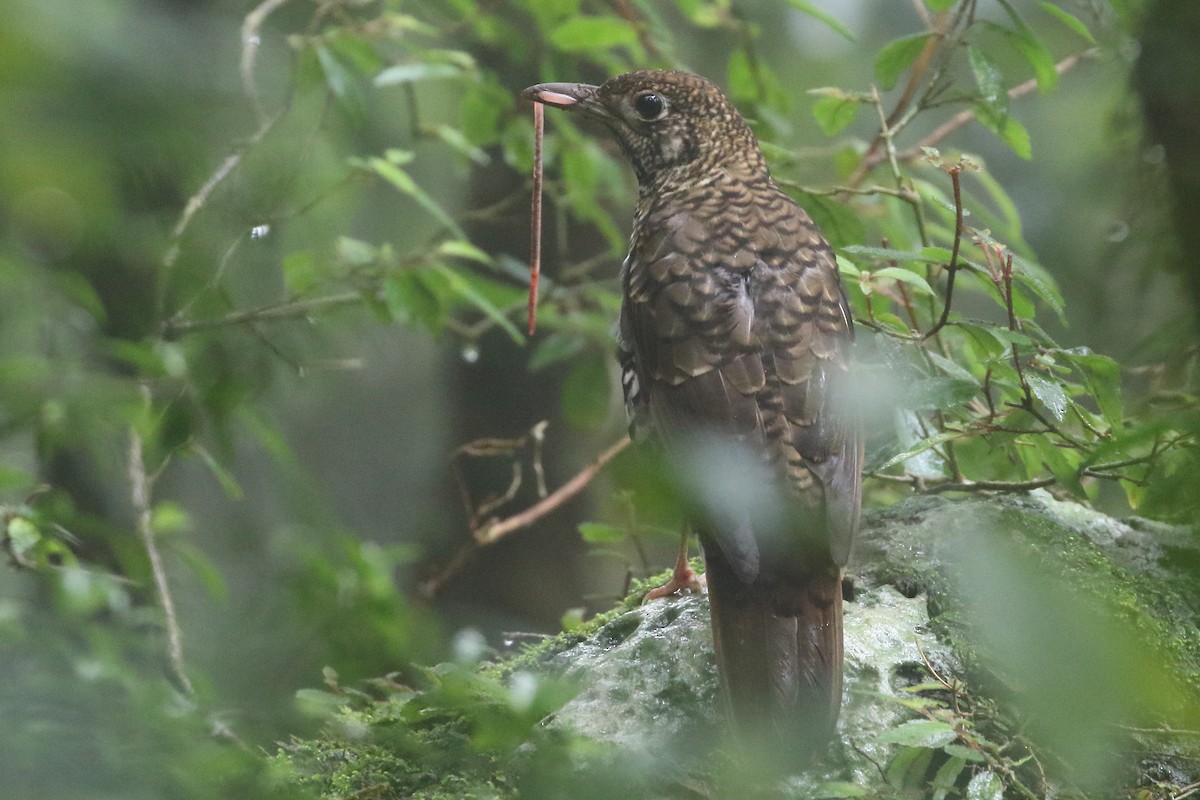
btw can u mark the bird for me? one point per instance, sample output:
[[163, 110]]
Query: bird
[[735, 328]]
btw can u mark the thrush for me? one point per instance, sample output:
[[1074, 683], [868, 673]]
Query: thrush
[[734, 324]]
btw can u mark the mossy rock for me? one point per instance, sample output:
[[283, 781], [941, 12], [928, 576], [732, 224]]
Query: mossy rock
[[995, 646]]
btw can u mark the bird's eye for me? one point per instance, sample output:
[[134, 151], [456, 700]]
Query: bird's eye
[[649, 105]]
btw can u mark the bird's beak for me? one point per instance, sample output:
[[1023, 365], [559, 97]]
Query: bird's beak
[[570, 96]]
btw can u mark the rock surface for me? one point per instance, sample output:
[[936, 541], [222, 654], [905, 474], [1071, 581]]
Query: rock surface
[[996, 646]]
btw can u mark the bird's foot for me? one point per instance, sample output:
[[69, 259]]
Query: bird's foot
[[685, 579]]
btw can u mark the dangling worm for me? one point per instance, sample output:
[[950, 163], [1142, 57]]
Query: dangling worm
[[535, 246]]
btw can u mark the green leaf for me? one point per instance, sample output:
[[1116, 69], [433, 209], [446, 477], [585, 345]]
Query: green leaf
[[418, 71], [599, 533], [169, 517], [1062, 462], [940, 5], [21, 536], [1023, 38], [483, 106], [804, 7], [742, 85], [410, 300], [1068, 19], [460, 286], [337, 77], [905, 276], [926, 255], [1007, 129], [404, 182], [840, 225], [834, 113], [590, 34], [988, 79], [459, 248], [907, 769], [585, 394], [1103, 378], [919, 733], [927, 443], [225, 478], [300, 272], [947, 775], [896, 56], [963, 752], [1050, 393], [12, 478], [838, 789], [928, 394]]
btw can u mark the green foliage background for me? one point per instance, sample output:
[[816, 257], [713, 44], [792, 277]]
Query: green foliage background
[[276, 255]]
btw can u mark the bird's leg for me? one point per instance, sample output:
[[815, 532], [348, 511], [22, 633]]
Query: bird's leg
[[684, 579]]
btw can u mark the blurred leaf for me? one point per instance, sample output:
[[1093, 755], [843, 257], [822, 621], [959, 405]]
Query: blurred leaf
[[20, 539], [168, 517], [1007, 129], [1068, 19], [905, 276], [300, 272], [927, 443], [599, 533], [589, 34], [483, 106], [908, 767], [459, 248], [417, 71], [410, 300], [963, 752], [1030, 45], [585, 393], [989, 80], [897, 56], [919, 733], [830, 790], [392, 173], [805, 7], [840, 225], [558, 346], [833, 114], [940, 5]]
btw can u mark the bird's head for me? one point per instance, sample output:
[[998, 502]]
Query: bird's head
[[668, 123]]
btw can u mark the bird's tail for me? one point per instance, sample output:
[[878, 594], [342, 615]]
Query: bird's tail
[[779, 654]]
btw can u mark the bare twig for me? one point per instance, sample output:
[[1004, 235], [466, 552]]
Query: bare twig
[[875, 158], [251, 39], [952, 267], [141, 488], [498, 530], [989, 486], [492, 532], [297, 309]]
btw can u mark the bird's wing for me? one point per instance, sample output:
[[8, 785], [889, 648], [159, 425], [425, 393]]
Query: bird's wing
[[739, 324]]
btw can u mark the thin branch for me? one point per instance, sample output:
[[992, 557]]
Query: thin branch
[[141, 488], [562, 494], [989, 486], [251, 39], [297, 309], [952, 267], [960, 119], [494, 531]]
